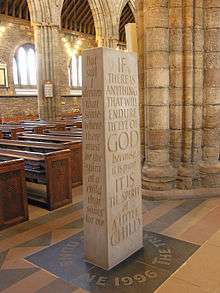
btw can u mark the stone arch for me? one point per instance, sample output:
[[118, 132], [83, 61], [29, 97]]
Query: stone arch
[[120, 8], [49, 12], [102, 15], [35, 10], [45, 11], [122, 5], [126, 16]]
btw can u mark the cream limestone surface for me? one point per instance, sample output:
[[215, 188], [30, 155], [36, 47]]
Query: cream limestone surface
[[111, 150]]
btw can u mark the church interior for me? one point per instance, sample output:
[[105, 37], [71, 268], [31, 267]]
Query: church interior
[[109, 146]]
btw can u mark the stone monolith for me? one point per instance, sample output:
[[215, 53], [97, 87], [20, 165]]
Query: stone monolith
[[111, 157]]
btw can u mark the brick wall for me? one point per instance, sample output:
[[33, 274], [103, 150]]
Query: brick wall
[[18, 108], [17, 33]]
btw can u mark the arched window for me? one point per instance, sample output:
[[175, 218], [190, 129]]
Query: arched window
[[75, 71], [24, 66]]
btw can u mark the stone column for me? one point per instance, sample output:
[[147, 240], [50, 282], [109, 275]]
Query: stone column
[[210, 169], [158, 173], [192, 15], [47, 42], [198, 91], [131, 37], [140, 35], [176, 81]]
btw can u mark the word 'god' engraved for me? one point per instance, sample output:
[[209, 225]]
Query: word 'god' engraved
[[111, 152]]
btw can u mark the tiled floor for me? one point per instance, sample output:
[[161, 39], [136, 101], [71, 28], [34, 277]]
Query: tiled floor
[[194, 221], [144, 272]]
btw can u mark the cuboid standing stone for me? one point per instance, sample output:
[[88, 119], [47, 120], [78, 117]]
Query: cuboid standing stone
[[111, 163]]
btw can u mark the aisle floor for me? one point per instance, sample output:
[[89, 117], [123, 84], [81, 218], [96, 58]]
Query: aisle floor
[[190, 230]]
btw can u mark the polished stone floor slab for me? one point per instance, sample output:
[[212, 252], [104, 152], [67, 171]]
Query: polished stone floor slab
[[143, 272]]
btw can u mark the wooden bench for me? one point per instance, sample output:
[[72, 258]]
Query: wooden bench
[[67, 133], [74, 121], [9, 131], [76, 150], [42, 147], [37, 128], [47, 138], [48, 176], [13, 197]]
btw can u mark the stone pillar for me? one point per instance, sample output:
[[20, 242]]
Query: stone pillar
[[192, 98], [198, 91], [47, 40], [111, 151], [131, 37], [176, 81], [210, 168], [140, 35], [157, 171]]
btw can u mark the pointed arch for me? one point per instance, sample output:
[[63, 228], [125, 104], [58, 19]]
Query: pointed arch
[[45, 11], [131, 4], [126, 17]]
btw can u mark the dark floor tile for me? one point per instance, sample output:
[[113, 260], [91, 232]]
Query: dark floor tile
[[143, 272], [172, 216], [150, 205], [77, 224], [39, 221], [57, 286], [126, 278], [63, 259], [2, 257], [43, 240], [165, 252], [11, 277]]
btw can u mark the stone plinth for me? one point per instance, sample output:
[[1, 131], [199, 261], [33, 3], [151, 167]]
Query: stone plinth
[[111, 149]]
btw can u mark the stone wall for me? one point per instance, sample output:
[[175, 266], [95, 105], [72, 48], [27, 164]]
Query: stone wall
[[18, 108], [15, 108], [17, 33]]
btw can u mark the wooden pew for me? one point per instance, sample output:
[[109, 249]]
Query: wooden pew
[[58, 125], [48, 177], [9, 131], [74, 121], [35, 128], [66, 133], [42, 147], [13, 197], [41, 127], [47, 138], [76, 150]]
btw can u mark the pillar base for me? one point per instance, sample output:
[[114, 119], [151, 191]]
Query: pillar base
[[210, 174], [188, 177], [177, 194], [159, 177]]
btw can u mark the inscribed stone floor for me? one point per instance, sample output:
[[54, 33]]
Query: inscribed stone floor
[[186, 228]]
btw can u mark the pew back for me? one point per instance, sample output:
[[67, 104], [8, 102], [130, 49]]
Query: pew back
[[48, 176], [13, 197]]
